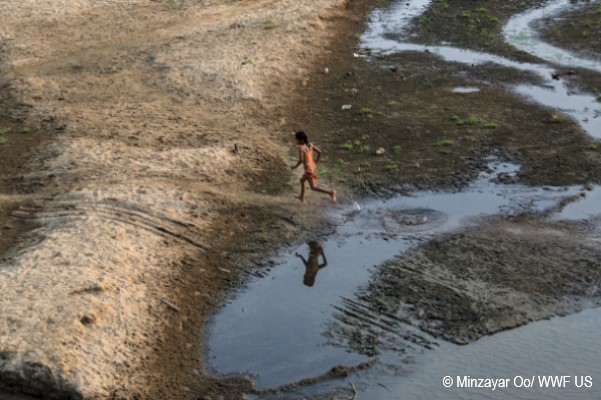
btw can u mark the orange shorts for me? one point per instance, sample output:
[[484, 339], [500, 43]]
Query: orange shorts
[[311, 173]]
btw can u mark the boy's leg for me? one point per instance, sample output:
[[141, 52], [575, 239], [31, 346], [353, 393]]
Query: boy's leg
[[301, 197], [316, 188]]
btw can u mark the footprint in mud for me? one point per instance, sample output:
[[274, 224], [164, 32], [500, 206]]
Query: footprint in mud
[[413, 220]]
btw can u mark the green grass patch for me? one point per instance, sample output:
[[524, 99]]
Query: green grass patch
[[364, 137], [396, 149], [472, 121], [347, 146], [247, 61], [366, 111], [445, 142], [391, 166], [25, 130], [7, 227], [482, 10], [365, 148], [357, 36], [392, 103], [593, 146], [267, 25], [339, 161], [494, 20], [465, 14], [2, 140], [491, 125]]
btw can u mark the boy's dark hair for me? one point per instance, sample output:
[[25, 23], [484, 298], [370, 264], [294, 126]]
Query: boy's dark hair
[[301, 137]]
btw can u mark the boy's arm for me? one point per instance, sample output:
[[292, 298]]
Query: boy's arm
[[318, 151]]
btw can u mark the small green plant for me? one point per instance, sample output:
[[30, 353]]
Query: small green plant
[[37, 127], [247, 61], [391, 166], [454, 118], [366, 111], [593, 146], [29, 139], [494, 20], [2, 210], [364, 137], [347, 146], [365, 165], [599, 97], [325, 172], [472, 121], [445, 142], [392, 103], [3, 131], [357, 36], [7, 227], [357, 142], [465, 14], [491, 125], [25, 130], [365, 148], [2, 140], [267, 25], [396, 149], [340, 161], [380, 113], [482, 10]]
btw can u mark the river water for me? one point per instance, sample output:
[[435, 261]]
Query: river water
[[274, 330]]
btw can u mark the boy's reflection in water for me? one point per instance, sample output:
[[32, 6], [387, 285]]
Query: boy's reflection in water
[[312, 265]]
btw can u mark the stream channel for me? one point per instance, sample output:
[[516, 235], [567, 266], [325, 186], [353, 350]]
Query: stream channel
[[274, 330]]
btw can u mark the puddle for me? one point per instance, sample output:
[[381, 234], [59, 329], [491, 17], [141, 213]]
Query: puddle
[[280, 314], [386, 34], [520, 33], [274, 330], [544, 348], [466, 89]]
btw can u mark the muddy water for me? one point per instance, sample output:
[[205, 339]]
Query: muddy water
[[386, 35], [286, 312], [275, 329]]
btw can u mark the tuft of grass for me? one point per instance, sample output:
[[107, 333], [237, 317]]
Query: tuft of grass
[[482, 10], [366, 111], [3, 131], [465, 14], [494, 20], [454, 118], [37, 127], [558, 118], [25, 130], [396, 149], [593, 146], [7, 227], [365, 148], [491, 125], [247, 61], [357, 36], [392, 103], [364, 137], [445, 142], [2, 140], [472, 121], [599, 97], [357, 142], [347, 146], [267, 25], [365, 164], [391, 166], [2, 210], [340, 161]]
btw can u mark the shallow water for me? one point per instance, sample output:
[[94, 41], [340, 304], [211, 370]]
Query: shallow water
[[280, 315], [385, 35], [274, 330]]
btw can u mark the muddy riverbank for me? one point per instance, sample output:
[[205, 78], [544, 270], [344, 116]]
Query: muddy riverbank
[[170, 181], [396, 122]]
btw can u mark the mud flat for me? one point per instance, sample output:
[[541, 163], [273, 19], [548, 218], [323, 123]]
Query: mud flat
[[396, 125], [154, 197]]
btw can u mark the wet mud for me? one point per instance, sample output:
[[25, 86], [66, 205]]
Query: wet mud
[[396, 122]]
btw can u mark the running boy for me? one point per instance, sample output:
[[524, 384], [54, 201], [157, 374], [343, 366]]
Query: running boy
[[305, 157]]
